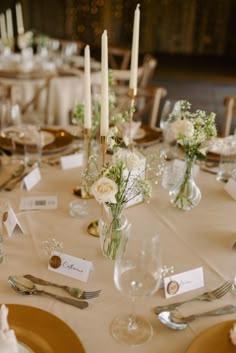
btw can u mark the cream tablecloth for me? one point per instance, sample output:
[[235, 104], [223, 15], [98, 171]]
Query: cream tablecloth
[[202, 237]]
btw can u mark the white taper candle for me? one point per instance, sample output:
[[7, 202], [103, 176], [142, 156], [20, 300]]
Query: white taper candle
[[19, 19], [104, 124], [3, 27], [9, 24], [87, 85], [135, 50]]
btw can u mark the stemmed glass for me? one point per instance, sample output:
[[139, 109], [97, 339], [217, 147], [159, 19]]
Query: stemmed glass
[[169, 145], [137, 273]]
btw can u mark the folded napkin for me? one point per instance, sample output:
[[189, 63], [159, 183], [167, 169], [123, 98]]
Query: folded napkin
[[8, 342], [129, 130]]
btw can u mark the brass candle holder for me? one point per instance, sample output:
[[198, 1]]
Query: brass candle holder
[[132, 93], [93, 226], [79, 190]]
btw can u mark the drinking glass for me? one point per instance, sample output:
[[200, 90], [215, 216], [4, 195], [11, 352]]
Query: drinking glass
[[169, 144], [137, 273]]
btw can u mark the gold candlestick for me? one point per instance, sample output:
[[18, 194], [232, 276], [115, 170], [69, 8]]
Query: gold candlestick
[[79, 190], [93, 226], [132, 93]]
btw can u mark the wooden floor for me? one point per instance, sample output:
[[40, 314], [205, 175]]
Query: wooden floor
[[202, 81]]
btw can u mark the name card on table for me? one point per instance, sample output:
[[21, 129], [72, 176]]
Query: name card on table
[[70, 266], [72, 161], [178, 168], [183, 282], [31, 179], [230, 188], [38, 202], [11, 222]]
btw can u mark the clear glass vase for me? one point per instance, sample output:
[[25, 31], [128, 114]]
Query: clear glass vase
[[185, 194], [111, 229]]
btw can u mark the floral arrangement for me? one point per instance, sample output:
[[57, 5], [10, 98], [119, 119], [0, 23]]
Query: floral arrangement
[[191, 130], [126, 179]]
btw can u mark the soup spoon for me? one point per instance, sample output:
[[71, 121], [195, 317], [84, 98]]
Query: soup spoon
[[24, 286], [177, 322]]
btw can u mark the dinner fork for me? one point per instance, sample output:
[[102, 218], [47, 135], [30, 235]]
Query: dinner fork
[[207, 296], [74, 292]]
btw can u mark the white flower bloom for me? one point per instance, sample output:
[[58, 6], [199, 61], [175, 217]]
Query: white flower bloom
[[132, 161], [183, 127], [104, 190]]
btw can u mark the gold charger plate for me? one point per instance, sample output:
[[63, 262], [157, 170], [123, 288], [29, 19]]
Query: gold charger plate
[[215, 339], [41, 331], [61, 140], [150, 136]]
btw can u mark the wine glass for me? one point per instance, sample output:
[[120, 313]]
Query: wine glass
[[137, 273], [169, 145]]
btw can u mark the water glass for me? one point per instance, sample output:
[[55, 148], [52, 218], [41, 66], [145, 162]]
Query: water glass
[[227, 163], [32, 145]]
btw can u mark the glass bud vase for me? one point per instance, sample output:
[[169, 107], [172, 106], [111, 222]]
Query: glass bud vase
[[111, 229], [185, 194]]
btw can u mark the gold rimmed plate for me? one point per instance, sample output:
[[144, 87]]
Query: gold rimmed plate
[[148, 136], [60, 140], [215, 339], [41, 331]]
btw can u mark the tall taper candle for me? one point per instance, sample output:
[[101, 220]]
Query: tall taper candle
[[19, 19], [135, 51], [104, 124], [9, 24], [87, 85], [3, 27]]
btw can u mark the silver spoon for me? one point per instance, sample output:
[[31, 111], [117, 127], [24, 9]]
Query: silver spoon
[[26, 287], [176, 322]]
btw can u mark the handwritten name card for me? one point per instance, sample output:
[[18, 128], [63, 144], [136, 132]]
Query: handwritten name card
[[183, 282], [11, 222], [70, 266]]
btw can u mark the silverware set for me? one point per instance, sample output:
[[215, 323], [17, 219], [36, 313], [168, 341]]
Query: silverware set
[[207, 296], [25, 285], [172, 319], [74, 292]]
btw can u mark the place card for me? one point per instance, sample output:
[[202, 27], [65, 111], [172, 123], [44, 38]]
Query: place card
[[72, 161], [70, 266], [38, 202], [230, 188], [11, 222], [183, 282], [179, 165], [31, 179]]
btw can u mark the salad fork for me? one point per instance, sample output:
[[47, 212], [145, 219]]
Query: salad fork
[[74, 292], [207, 296]]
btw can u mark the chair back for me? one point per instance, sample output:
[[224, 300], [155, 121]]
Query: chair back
[[119, 58], [147, 70], [147, 103], [229, 114]]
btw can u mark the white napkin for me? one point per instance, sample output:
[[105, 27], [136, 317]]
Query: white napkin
[[129, 130], [8, 342]]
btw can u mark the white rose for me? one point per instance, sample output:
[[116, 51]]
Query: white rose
[[182, 127], [104, 190], [132, 161]]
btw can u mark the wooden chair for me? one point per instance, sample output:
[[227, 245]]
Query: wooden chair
[[145, 72], [147, 103], [119, 58], [229, 114]]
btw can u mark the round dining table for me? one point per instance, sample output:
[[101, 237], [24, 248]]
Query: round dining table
[[202, 237]]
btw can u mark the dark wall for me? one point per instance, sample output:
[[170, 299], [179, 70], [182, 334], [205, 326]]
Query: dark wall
[[201, 27]]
